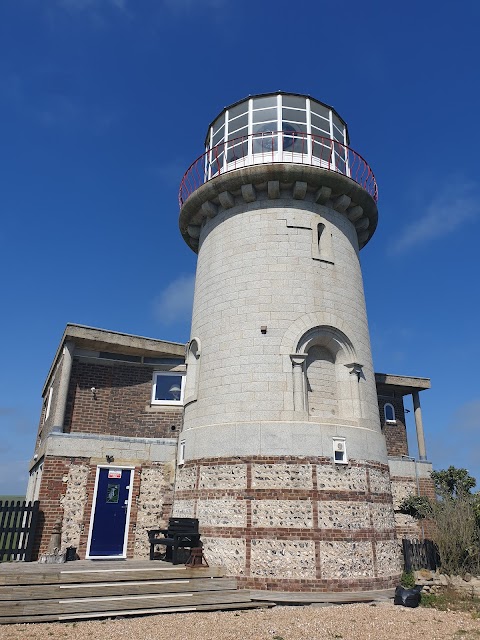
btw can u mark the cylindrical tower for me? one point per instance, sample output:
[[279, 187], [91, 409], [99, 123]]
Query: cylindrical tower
[[281, 457]]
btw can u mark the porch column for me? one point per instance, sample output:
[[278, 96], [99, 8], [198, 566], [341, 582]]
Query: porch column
[[422, 453], [61, 403]]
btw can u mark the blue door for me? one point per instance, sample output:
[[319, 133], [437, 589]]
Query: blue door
[[110, 516]]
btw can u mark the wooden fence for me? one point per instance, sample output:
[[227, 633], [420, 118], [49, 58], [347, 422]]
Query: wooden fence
[[420, 555], [18, 521]]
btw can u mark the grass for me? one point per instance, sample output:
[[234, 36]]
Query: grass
[[449, 599]]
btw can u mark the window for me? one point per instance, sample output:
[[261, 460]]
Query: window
[[181, 452], [168, 387], [389, 412], [48, 404]]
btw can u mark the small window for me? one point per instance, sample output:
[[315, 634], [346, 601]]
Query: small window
[[389, 411], [168, 387], [181, 452], [48, 404]]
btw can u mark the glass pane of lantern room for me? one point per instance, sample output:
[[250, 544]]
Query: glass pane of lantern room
[[319, 109], [167, 387], [238, 110], [263, 103], [264, 115], [297, 102]]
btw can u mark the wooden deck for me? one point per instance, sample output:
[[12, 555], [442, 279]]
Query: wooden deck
[[85, 589], [88, 589]]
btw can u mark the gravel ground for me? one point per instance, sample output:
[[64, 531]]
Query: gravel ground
[[383, 621]]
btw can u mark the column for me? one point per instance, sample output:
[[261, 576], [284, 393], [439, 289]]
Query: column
[[298, 360], [61, 403], [422, 453]]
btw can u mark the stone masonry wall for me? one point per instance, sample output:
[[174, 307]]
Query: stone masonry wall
[[291, 524], [73, 503], [406, 526], [154, 504]]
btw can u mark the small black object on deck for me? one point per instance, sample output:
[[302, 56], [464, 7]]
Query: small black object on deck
[[182, 533]]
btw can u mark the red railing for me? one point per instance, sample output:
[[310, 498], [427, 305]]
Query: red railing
[[291, 147]]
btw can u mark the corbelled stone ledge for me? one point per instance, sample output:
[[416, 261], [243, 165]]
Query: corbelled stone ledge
[[294, 182]]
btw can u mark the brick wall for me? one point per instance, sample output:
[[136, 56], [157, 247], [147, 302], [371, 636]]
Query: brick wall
[[395, 434], [122, 403], [54, 487]]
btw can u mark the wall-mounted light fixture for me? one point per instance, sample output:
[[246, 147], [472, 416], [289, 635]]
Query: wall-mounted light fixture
[[94, 392], [109, 459], [357, 369]]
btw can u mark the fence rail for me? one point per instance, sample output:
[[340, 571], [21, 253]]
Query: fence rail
[[291, 147], [420, 554], [18, 521]]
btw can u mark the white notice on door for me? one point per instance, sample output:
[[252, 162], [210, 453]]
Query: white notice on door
[[114, 473]]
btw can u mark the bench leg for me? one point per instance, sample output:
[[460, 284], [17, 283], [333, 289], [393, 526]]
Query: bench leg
[[152, 552]]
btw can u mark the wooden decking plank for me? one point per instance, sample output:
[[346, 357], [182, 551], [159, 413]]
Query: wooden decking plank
[[133, 587], [85, 605], [331, 597], [137, 612], [107, 575]]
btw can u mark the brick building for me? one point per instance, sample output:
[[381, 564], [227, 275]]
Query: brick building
[[111, 407], [105, 411]]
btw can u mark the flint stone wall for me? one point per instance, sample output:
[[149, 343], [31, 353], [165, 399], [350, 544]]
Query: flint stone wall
[[346, 560], [382, 516], [183, 509], [186, 479], [333, 514], [389, 558], [282, 476], [73, 503], [283, 559], [226, 476], [336, 478], [282, 514], [401, 489], [379, 481], [229, 552], [155, 485], [223, 512]]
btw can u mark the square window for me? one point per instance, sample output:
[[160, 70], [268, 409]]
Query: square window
[[168, 387]]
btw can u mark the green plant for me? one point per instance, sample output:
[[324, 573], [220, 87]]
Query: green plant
[[407, 580], [456, 519]]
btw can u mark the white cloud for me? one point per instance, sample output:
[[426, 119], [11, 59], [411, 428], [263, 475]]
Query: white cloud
[[174, 304], [457, 202]]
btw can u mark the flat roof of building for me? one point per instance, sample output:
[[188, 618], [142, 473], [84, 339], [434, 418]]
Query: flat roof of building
[[403, 385], [96, 339]]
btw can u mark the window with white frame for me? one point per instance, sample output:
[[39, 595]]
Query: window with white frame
[[389, 413], [168, 387], [181, 452], [47, 404]]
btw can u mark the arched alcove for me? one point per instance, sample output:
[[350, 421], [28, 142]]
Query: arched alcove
[[323, 384], [193, 366]]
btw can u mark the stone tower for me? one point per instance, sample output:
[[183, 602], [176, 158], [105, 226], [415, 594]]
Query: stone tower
[[282, 457]]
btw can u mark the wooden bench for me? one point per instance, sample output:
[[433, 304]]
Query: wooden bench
[[182, 533]]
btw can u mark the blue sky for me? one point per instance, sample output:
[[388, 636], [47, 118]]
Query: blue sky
[[105, 103]]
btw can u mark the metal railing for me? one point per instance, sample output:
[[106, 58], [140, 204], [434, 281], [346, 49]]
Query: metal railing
[[290, 147]]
